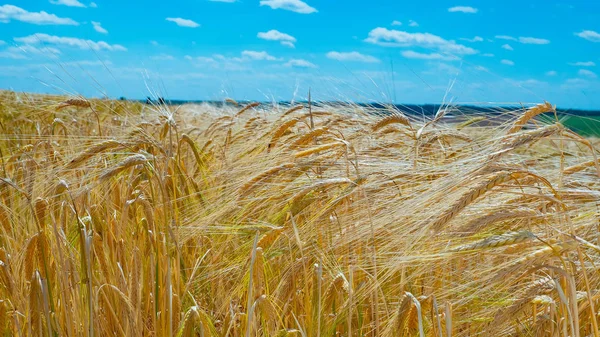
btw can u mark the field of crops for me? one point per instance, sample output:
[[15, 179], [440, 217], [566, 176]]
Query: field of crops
[[124, 219], [584, 125]]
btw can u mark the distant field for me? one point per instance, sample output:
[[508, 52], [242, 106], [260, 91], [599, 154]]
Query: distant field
[[584, 122], [119, 218], [584, 125]]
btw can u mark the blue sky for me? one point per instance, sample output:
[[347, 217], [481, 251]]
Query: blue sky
[[400, 51]]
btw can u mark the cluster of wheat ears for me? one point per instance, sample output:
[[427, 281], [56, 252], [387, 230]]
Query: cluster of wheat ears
[[123, 219]]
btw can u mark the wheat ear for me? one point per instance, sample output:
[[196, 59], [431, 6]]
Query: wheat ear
[[92, 151], [305, 139], [529, 114], [469, 122], [318, 185], [78, 102], [292, 109], [495, 241], [247, 107], [318, 149], [132, 160], [474, 193], [476, 224], [523, 138], [231, 101], [280, 131], [250, 184], [394, 118], [581, 167], [338, 285], [268, 238], [199, 159]]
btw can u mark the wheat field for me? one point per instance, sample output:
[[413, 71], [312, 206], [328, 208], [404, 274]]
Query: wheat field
[[124, 219]]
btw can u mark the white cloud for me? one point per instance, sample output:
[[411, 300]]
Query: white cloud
[[39, 38], [551, 73], [203, 59], [10, 12], [351, 56], [2, 42], [93, 5], [413, 23], [507, 62], [505, 37], [91, 63], [583, 64], [162, 57], [441, 67], [258, 55], [5, 54], [98, 27], [462, 9], [297, 6], [184, 22], [70, 3], [475, 39], [433, 56], [34, 50], [396, 23], [586, 73], [488, 55], [533, 40], [187, 76], [275, 35], [524, 40], [531, 82], [394, 38], [219, 61], [299, 63], [575, 83], [22, 52], [589, 35], [154, 43], [507, 46]]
